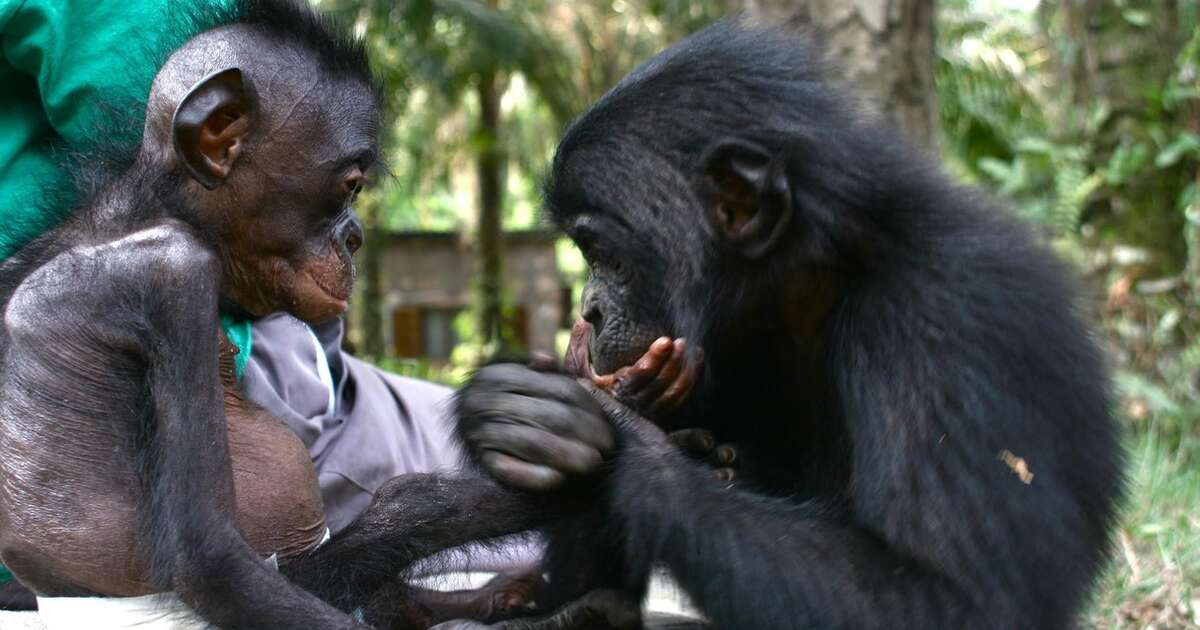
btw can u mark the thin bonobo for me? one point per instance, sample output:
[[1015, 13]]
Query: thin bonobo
[[131, 462]]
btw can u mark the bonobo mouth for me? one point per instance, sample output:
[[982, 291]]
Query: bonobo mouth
[[339, 289], [323, 292], [334, 276], [578, 362]]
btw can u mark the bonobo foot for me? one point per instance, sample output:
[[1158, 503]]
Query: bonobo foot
[[400, 606], [505, 596], [602, 609]]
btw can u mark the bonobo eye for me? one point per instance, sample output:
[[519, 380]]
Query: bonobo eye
[[352, 183], [614, 263]]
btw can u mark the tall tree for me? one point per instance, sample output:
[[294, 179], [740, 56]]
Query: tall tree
[[490, 237], [884, 47], [455, 56]]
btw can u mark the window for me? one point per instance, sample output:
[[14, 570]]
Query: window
[[428, 332]]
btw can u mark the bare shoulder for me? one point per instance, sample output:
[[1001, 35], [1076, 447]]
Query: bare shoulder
[[113, 275]]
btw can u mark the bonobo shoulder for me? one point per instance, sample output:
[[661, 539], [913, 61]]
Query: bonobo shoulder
[[169, 249], [168, 253]]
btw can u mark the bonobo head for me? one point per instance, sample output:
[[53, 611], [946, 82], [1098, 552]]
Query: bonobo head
[[270, 125], [710, 185]]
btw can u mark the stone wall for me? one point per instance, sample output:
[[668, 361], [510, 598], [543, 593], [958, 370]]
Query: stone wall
[[433, 270]]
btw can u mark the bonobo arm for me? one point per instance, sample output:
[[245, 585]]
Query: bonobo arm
[[874, 561], [753, 561], [412, 517], [194, 545]]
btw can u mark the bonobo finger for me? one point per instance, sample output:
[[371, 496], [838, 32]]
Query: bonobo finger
[[632, 380], [588, 425], [681, 386], [629, 381], [536, 446], [724, 455], [648, 398], [519, 379], [726, 475], [520, 474], [697, 443]]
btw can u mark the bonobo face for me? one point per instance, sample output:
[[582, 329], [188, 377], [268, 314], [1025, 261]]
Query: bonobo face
[[623, 305], [291, 250], [280, 157]]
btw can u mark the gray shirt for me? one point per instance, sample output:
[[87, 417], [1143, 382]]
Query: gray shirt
[[361, 425]]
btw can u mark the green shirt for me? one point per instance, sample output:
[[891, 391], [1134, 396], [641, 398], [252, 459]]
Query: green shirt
[[61, 61]]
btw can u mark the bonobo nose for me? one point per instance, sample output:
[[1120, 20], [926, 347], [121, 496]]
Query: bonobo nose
[[591, 310], [349, 234]]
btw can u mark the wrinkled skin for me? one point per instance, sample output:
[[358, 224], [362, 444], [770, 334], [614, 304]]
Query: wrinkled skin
[[621, 326]]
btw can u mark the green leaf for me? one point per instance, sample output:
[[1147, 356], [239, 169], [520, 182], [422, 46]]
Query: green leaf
[[1128, 158], [1188, 143], [1137, 17], [998, 170], [1040, 146]]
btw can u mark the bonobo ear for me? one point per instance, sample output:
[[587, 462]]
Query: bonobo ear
[[211, 124], [748, 200]]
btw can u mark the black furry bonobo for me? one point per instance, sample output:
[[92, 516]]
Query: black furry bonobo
[[130, 462], [924, 417]]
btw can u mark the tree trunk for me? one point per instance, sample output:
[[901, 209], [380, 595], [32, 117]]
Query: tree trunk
[[885, 49], [491, 204], [369, 275]]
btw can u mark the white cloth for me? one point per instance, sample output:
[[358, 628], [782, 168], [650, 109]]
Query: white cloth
[[159, 611]]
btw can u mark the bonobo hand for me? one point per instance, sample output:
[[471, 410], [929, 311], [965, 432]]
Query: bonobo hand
[[701, 445], [640, 434], [655, 385], [532, 430], [635, 430]]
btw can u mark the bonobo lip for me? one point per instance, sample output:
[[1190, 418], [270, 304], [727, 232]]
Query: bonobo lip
[[339, 295], [579, 351]]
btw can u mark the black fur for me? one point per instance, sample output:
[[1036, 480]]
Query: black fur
[[885, 437]]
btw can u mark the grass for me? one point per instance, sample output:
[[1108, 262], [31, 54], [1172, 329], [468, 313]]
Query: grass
[[1154, 578]]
